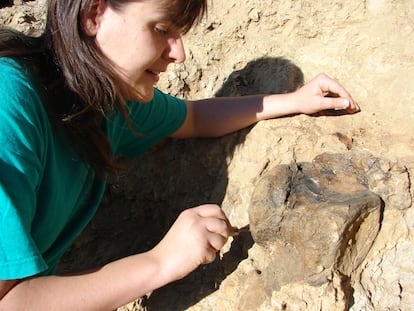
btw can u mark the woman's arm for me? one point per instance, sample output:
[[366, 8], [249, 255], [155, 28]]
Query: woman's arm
[[219, 116], [194, 239], [105, 289]]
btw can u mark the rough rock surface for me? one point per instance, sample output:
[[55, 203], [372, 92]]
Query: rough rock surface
[[316, 221], [304, 214], [262, 46]]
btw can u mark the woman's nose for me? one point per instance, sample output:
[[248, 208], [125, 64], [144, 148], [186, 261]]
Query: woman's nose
[[175, 51]]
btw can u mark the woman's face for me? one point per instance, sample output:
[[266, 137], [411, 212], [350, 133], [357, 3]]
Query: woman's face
[[139, 39]]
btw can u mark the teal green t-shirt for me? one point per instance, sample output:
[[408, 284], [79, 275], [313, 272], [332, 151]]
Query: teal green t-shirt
[[47, 195]]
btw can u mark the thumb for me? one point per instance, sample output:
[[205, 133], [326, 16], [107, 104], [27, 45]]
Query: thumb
[[336, 103]]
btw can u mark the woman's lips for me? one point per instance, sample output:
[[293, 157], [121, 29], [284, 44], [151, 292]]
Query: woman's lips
[[154, 74]]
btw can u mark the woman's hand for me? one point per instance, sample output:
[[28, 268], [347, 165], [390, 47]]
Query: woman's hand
[[194, 239], [323, 93]]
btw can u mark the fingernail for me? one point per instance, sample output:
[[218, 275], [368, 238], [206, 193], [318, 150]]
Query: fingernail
[[346, 103]]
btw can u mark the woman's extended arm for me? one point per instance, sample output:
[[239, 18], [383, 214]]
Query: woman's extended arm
[[105, 289], [194, 239], [219, 116]]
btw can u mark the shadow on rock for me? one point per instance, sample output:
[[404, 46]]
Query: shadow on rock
[[261, 76], [202, 282], [142, 205], [267, 75]]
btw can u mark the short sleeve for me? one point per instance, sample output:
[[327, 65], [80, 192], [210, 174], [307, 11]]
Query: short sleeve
[[19, 255], [153, 122], [20, 166]]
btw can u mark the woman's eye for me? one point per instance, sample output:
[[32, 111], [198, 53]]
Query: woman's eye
[[161, 30]]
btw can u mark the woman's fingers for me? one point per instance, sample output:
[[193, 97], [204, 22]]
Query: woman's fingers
[[217, 233], [337, 97], [210, 210], [331, 86], [338, 103], [323, 93]]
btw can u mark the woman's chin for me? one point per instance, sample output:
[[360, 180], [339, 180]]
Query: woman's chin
[[143, 96]]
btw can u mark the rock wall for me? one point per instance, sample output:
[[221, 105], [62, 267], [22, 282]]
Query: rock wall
[[263, 46]]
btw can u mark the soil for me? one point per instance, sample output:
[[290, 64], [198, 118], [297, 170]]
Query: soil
[[273, 46]]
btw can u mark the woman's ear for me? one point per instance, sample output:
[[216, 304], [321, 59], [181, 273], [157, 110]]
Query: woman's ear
[[91, 19]]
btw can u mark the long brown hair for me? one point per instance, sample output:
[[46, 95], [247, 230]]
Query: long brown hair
[[81, 84]]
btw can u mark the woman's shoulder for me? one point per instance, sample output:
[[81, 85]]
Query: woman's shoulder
[[18, 91], [15, 75], [9, 66]]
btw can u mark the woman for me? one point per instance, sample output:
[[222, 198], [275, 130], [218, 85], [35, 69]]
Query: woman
[[76, 98]]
